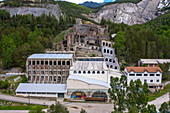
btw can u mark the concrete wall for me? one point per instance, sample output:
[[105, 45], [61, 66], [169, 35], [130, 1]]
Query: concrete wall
[[76, 84]]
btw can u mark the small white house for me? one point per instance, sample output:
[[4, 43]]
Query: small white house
[[151, 75]]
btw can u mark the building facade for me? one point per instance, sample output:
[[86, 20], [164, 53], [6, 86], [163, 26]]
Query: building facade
[[150, 75], [110, 57], [48, 68]]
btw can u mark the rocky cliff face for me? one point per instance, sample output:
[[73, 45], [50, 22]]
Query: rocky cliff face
[[49, 9], [129, 13]]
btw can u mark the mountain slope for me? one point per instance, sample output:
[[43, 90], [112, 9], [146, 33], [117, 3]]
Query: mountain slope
[[92, 4], [128, 13]]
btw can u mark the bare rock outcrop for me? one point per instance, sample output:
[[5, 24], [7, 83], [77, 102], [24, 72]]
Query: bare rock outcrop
[[36, 11], [128, 13]]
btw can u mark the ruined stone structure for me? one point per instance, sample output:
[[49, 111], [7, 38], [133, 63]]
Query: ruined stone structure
[[87, 36]]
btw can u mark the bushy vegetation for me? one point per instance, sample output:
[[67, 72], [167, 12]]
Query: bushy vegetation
[[8, 86], [165, 107], [4, 84], [149, 40], [132, 98], [23, 35], [165, 69]]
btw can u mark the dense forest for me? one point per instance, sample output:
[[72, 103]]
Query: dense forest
[[149, 40], [23, 35]]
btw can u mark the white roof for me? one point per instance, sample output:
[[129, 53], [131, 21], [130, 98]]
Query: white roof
[[89, 65], [89, 80], [51, 88], [51, 56], [154, 61]]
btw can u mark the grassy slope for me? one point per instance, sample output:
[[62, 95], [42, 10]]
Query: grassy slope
[[18, 106], [153, 96]]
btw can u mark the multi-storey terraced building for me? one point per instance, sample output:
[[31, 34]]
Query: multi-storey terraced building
[[48, 68]]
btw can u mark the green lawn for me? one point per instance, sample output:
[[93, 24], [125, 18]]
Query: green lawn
[[153, 96], [7, 105]]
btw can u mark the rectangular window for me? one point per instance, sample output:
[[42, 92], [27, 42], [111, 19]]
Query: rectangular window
[[151, 74], [138, 74], [145, 74], [131, 74], [157, 74]]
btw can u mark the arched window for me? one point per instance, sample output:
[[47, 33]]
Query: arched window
[[79, 72], [104, 50], [93, 72], [111, 78], [108, 51], [111, 66], [103, 72], [106, 44], [89, 72], [103, 43], [106, 59], [84, 72], [75, 71], [151, 80], [109, 45], [98, 72], [115, 67], [111, 52], [113, 61], [110, 60]]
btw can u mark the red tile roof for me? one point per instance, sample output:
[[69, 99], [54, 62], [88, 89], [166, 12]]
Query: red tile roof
[[143, 69]]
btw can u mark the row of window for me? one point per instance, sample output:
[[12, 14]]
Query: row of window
[[36, 93], [111, 66], [105, 43], [49, 62], [144, 74], [145, 80], [88, 72], [58, 79], [108, 51], [49, 72], [110, 60]]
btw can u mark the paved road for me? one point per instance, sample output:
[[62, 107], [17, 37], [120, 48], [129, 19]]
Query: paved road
[[75, 107], [72, 107]]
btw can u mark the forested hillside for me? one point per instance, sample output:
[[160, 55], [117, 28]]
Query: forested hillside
[[75, 10], [23, 35], [149, 40]]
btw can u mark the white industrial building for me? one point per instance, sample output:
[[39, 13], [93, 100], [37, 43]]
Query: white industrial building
[[80, 87], [87, 77], [41, 90], [152, 62], [151, 75]]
